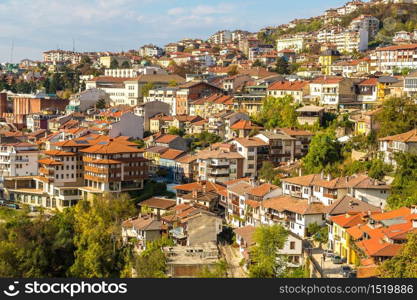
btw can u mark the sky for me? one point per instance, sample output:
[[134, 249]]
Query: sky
[[34, 26]]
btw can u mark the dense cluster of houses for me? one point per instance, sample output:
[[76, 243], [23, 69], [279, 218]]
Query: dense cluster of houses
[[140, 120]]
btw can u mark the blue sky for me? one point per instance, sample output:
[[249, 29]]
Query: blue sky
[[115, 25]]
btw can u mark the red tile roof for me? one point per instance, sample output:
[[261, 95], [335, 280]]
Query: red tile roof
[[288, 86], [398, 47]]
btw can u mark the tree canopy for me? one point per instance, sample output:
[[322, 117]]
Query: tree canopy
[[404, 186], [277, 112], [324, 151], [265, 257], [397, 115], [403, 265]]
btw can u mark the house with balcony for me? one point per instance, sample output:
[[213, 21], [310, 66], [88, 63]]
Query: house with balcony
[[310, 115], [190, 193], [167, 163], [281, 147], [141, 230], [219, 165], [296, 89], [249, 148], [114, 167], [400, 143], [410, 84], [295, 214], [244, 199], [333, 91], [302, 140], [292, 249]]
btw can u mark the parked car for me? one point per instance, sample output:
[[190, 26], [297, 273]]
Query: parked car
[[352, 274], [337, 260], [328, 253], [345, 270], [12, 205]]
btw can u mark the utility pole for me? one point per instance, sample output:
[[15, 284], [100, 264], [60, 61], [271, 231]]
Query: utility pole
[[11, 51]]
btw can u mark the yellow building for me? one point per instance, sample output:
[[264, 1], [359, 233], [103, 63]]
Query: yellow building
[[384, 87], [341, 240], [326, 60]]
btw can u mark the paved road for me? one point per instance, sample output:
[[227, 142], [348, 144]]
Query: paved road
[[330, 270], [233, 258]]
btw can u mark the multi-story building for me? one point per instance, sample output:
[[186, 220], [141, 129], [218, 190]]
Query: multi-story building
[[243, 201], [18, 159], [298, 42], [410, 84], [128, 91], [221, 37], [391, 58], [249, 149], [366, 22], [167, 95], [302, 140], [112, 166], [61, 56], [219, 165], [281, 147], [399, 143], [333, 91], [344, 40], [296, 89], [151, 50]]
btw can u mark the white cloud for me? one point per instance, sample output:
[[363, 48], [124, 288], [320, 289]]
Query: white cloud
[[176, 11]]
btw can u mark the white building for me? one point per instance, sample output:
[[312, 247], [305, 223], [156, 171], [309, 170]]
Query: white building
[[297, 42], [387, 59], [345, 40], [400, 143], [18, 159], [151, 50], [221, 37], [128, 91], [367, 23], [167, 95]]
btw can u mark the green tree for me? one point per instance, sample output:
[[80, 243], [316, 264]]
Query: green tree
[[176, 131], [265, 257], [42, 247], [101, 104], [324, 151], [151, 263], [125, 65], [403, 265], [146, 88], [282, 66], [218, 270], [268, 173], [404, 186], [100, 250], [114, 64], [398, 115], [277, 112], [378, 169], [204, 139]]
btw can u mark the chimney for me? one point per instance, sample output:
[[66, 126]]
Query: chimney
[[194, 193]]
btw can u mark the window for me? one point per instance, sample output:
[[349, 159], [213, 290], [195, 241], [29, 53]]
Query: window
[[292, 245]]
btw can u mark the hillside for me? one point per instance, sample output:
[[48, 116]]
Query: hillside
[[393, 18]]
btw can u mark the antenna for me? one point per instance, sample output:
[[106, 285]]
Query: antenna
[[73, 45]]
